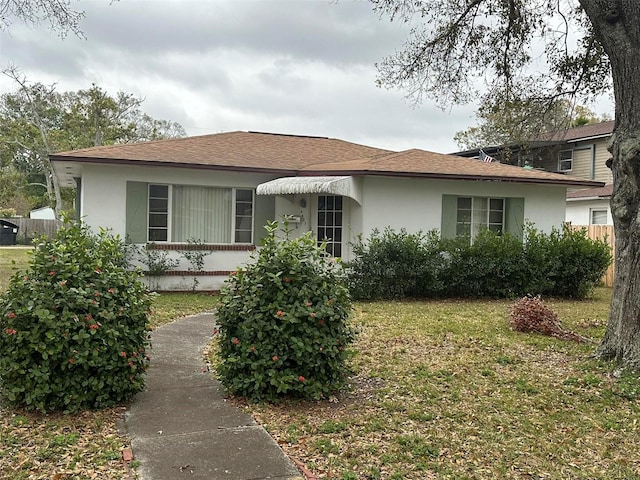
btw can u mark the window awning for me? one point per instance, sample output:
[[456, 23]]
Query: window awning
[[345, 186]]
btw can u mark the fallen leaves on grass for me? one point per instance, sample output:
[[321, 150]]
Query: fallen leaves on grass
[[83, 446], [447, 390]]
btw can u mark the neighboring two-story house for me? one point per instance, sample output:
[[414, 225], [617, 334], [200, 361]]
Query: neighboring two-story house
[[579, 152]]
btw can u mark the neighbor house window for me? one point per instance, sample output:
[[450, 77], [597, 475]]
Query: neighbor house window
[[179, 213], [475, 213], [330, 223], [598, 217], [565, 161]]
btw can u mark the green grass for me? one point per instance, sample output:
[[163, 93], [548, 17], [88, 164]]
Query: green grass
[[169, 306], [445, 389], [12, 259], [442, 389]]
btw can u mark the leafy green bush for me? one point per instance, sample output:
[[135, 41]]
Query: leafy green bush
[[490, 267], [396, 265], [283, 322], [566, 262], [73, 326], [563, 263]]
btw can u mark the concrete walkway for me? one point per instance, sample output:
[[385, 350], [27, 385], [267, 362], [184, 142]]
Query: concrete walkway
[[182, 427]]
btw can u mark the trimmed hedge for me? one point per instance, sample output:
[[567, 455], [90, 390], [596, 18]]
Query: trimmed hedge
[[393, 265]]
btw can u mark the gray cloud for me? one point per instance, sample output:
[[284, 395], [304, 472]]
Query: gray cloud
[[302, 67]]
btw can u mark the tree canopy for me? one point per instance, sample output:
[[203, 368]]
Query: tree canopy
[[519, 121], [36, 120], [58, 14]]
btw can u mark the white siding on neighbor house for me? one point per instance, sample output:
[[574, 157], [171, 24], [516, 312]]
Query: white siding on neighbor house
[[579, 211], [416, 204]]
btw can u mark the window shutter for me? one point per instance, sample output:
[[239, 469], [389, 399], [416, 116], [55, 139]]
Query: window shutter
[[514, 216], [265, 211], [449, 215], [136, 212]]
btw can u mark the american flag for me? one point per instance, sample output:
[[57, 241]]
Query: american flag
[[485, 158]]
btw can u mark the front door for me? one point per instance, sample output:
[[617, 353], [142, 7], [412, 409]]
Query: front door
[[330, 223]]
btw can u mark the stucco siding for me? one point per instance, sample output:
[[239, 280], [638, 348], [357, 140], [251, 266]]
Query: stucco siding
[[104, 188], [416, 204], [103, 204]]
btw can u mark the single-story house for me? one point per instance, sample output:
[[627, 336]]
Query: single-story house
[[221, 190]]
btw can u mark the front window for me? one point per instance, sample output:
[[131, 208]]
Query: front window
[[475, 213], [565, 161], [179, 213], [330, 223]]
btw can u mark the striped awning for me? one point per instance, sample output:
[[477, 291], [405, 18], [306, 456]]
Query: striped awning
[[345, 186]]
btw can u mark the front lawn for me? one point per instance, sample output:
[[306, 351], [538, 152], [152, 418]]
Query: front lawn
[[444, 389]]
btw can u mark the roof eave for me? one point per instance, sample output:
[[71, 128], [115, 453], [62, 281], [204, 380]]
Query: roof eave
[[444, 176], [159, 163]]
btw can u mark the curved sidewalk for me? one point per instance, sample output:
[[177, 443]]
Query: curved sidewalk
[[182, 427]]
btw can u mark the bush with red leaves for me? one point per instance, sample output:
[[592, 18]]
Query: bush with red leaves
[[530, 314]]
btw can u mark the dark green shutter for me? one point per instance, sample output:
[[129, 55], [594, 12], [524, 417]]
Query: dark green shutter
[[265, 211], [136, 212], [449, 216], [514, 216]]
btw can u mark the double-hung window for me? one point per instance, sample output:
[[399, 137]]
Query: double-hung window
[[243, 226], [565, 160], [475, 213], [158, 208], [466, 216]]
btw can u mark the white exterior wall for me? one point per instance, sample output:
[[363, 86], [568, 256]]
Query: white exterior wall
[[579, 211], [103, 204], [416, 204], [410, 203]]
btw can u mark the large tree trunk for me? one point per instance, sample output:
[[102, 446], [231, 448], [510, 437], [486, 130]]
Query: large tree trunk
[[616, 24]]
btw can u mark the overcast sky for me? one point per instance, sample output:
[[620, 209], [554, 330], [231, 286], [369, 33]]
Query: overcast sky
[[303, 67]]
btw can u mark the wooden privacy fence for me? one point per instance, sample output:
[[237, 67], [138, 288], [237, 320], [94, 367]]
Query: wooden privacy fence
[[29, 228], [604, 233]]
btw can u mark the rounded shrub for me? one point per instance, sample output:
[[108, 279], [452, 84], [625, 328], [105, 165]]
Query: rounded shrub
[[73, 326], [284, 322]]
